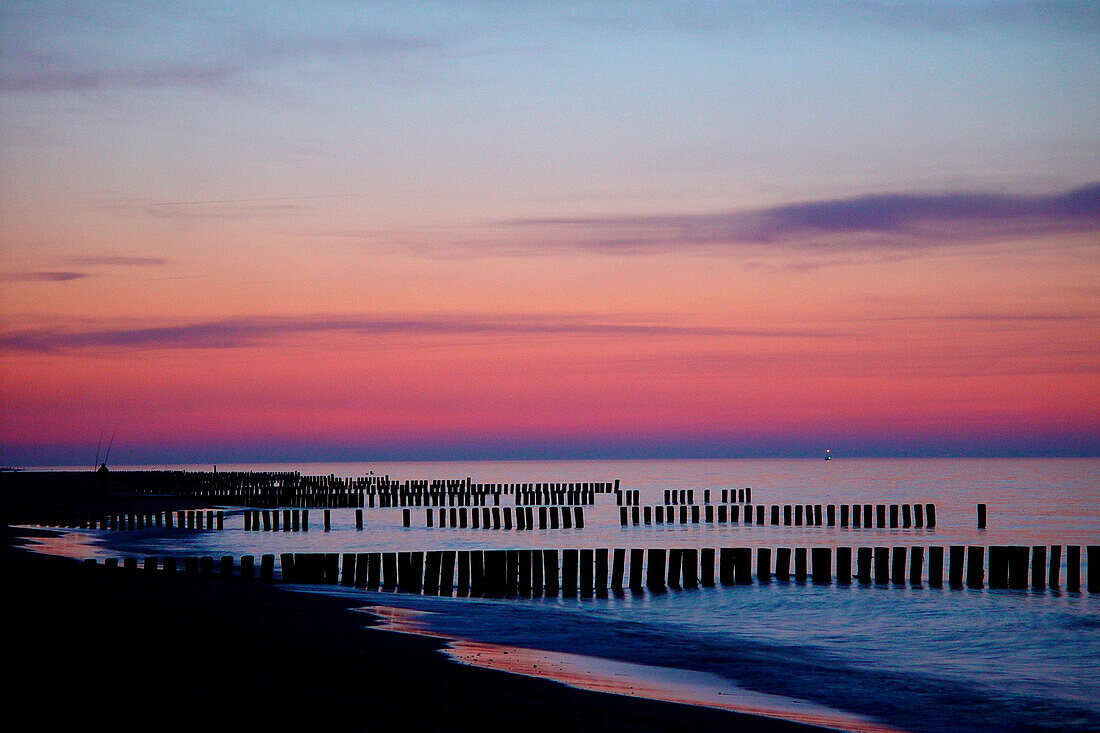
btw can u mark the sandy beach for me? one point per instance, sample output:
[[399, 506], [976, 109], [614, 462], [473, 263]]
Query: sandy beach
[[182, 653]]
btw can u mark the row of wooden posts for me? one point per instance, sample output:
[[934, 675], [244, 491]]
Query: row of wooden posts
[[729, 496], [551, 517], [291, 489], [598, 571], [891, 516], [184, 519]]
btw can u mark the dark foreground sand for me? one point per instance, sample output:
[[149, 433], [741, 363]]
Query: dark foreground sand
[[153, 653]]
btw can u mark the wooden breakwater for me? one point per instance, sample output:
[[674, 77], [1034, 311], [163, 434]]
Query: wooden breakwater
[[197, 519], [597, 572], [547, 517], [881, 516], [295, 490]]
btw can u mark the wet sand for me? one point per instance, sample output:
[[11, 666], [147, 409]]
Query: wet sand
[[179, 653]]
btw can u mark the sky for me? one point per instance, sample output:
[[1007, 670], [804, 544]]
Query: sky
[[365, 231]]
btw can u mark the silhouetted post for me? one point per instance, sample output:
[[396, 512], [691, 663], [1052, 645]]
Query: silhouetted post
[[227, 566], [1093, 559], [956, 554], [782, 563], [349, 567], [763, 565], [725, 566], [893, 516], [1073, 568], [550, 571], [935, 566], [800, 564], [930, 515], [1017, 567], [618, 569], [286, 520], [822, 561], [706, 562], [248, 567], [906, 516], [830, 515], [637, 560], [898, 563], [998, 566], [655, 571], [844, 509], [328, 520], [206, 566], [863, 564], [433, 559], [882, 565], [880, 516], [463, 557], [601, 571], [359, 519], [1055, 565], [975, 566], [981, 516], [536, 572], [389, 570], [916, 565], [843, 564], [406, 518], [267, 567], [586, 567], [918, 515], [690, 564]]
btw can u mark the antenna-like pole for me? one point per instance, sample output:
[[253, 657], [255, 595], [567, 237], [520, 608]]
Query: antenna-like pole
[[112, 442], [97, 447]]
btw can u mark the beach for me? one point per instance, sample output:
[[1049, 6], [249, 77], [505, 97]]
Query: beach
[[181, 653]]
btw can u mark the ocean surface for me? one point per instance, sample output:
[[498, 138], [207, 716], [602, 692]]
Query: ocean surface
[[849, 657]]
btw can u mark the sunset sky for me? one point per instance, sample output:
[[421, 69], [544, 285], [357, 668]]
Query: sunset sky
[[230, 231]]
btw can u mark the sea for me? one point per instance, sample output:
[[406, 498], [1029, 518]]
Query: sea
[[846, 657]]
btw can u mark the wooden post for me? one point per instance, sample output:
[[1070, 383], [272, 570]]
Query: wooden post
[[655, 571], [763, 565], [916, 565], [618, 568], [569, 563], [406, 518], [690, 565], [897, 561], [1073, 568], [863, 564], [906, 516], [349, 564], [675, 564], [893, 516], [981, 516], [601, 572], [248, 567], [463, 558], [637, 560], [880, 515], [389, 570], [935, 566], [998, 566], [843, 563], [359, 519], [586, 580], [882, 565], [550, 571], [725, 566], [267, 567], [955, 565], [930, 515], [328, 520], [1017, 566], [975, 566], [537, 583], [783, 563], [918, 515], [1093, 559], [822, 562], [433, 559], [1055, 565], [227, 566], [706, 561], [844, 515], [511, 572], [800, 564]]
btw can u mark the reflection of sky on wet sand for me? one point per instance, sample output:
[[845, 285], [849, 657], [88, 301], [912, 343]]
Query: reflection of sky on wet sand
[[625, 678]]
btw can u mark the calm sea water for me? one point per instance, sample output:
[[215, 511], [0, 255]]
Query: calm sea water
[[913, 658]]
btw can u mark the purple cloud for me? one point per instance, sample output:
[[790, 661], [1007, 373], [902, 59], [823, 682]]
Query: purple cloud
[[235, 333], [891, 221], [46, 277]]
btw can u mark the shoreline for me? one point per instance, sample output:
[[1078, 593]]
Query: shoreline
[[188, 653]]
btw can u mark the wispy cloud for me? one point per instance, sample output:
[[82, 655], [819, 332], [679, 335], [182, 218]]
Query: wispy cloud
[[240, 332], [41, 277], [890, 222]]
